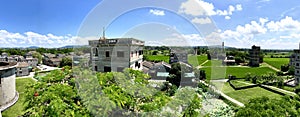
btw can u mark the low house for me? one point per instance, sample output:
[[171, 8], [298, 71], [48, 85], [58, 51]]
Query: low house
[[157, 71], [22, 69], [229, 60], [51, 60]]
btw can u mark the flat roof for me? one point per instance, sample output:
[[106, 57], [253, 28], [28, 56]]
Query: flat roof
[[7, 65]]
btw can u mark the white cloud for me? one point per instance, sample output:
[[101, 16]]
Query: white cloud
[[227, 17], [238, 7], [157, 12], [268, 34], [9, 39], [201, 20], [200, 8], [285, 24]]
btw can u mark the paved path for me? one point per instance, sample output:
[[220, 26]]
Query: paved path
[[31, 74], [224, 95], [200, 66], [271, 67]]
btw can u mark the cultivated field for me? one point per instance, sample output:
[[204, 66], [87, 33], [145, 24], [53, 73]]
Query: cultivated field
[[213, 63], [239, 72], [158, 58], [196, 60], [276, 62]]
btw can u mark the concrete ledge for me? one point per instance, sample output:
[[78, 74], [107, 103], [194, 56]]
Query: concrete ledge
[[11, 103]]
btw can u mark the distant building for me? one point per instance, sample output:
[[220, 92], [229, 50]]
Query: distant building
[[157, 71], [8, 93], [254, 53], [229, 60], [178, 55], [52, 59], [22, 69], [116, 54], [295, 61]]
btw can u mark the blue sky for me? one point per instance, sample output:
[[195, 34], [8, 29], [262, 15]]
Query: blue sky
[[271, 24]]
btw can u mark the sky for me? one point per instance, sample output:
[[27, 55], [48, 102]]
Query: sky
[[271, 24]]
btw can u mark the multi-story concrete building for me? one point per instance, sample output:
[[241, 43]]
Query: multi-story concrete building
[[254, 53], [116, 54], [178, 55], [295, 61], [8, 94]]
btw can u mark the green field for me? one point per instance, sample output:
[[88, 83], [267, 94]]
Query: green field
[[277, 62], [246, 94], [196, 60], [158, 58], [239, 72], [236, 83], [213, 63], [17, 109]]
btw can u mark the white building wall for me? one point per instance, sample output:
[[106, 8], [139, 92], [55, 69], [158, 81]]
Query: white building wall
[[8, 88]]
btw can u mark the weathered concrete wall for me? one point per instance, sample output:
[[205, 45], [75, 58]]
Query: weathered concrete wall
[[7, 86]]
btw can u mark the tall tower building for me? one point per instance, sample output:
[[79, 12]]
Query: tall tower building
[[295, 61]]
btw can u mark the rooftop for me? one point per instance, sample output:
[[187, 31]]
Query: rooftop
[[6, 65]]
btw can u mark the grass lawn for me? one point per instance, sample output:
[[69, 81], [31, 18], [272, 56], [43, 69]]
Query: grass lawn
[[276, 62], [17, 109], [158, 58], [238, 84], [246, 94], [196, 60], [239, 72], [213, 63]]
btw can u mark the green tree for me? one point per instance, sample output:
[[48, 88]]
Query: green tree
[[66, 61]]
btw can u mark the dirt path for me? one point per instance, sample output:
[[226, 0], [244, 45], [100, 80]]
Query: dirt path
[[200, 66], [271, 67]]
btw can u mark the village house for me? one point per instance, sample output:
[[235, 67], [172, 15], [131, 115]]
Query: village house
[[116, 54], [22, 69]]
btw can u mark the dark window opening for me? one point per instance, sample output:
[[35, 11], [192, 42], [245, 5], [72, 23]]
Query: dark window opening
[[136, 64], [95, 50], [140, 52], [107, 53], [96, 68], [107, 69], [297, 64], [120, 54]]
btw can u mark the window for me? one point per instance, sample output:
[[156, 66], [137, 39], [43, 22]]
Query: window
[[297, 64], [120, 54], [96, 68], [95, 51], [136, 64], [107, 53], [107, 69], [140, 52], [297, 72]]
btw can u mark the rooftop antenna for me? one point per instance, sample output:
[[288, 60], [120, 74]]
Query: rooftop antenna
[[103, 34]]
